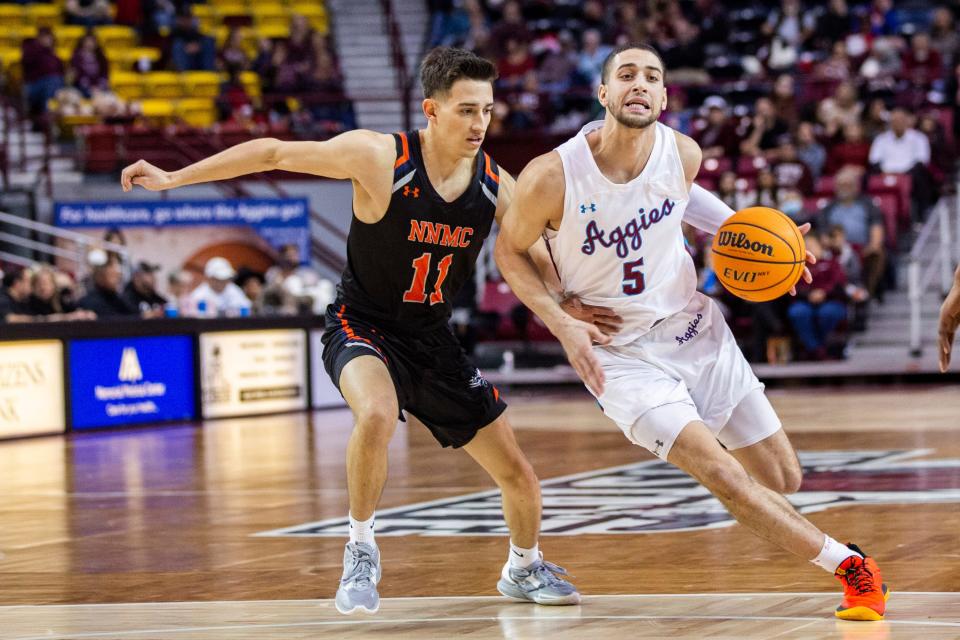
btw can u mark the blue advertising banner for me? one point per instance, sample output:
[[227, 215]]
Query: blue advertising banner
[[278, 220], [131, 380]]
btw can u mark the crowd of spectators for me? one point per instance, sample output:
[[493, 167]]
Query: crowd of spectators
[[116, 289], [300, 79], [796, 105]]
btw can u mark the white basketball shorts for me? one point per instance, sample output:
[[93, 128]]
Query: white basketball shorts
[[687, 368]]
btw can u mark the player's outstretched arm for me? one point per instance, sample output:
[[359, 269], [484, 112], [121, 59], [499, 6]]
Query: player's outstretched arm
[[350, 155], [537, 200], [949, 320]]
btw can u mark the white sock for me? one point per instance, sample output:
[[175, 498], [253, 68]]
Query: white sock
[[833, 554], [521, 558], [362, 530]]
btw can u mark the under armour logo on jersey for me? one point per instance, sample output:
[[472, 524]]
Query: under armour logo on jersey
[[415, 192], [592, 208]]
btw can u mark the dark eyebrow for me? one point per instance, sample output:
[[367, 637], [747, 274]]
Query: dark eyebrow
[[473, 104], [631, 64]]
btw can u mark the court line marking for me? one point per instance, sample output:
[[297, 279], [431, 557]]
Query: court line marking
[[385, 621], [706, 594]]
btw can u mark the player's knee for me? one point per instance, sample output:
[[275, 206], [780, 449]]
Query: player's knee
[[791, 477], [520, 476], [725, 479], [376, 421]]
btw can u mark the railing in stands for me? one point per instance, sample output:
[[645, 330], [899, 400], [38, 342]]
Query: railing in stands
[[78, 256], [940, 258], [399, 60]]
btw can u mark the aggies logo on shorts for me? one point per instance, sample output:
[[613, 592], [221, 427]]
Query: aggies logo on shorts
[[654, 496]]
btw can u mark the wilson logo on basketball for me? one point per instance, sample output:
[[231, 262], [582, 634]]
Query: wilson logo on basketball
[[742, 241]]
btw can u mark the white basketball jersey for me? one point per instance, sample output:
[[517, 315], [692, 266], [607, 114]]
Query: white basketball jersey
[[620, 245]]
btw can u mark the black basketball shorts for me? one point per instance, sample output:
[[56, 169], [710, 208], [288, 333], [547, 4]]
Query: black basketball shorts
[[435, 380]]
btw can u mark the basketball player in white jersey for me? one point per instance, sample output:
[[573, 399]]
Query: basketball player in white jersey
[[610, 202], [949, 320]]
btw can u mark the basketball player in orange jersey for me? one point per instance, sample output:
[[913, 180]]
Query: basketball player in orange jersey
[[423, 202], [949, 320], [609, 203]]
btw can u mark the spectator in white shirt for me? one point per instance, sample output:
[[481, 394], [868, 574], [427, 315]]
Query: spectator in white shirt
[[904, 150], [218, 296]]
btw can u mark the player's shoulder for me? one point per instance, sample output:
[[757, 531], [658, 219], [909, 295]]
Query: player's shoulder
[[373, 140], [690, 154], [544, 173]]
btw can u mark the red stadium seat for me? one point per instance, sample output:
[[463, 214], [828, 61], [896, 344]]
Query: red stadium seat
[[896, 184], [887, 203], [500, 300], [749, 166], [714, 167], [826, 186], [815, 204]]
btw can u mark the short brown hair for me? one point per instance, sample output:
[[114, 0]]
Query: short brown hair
[[642, 46], [443, 66]]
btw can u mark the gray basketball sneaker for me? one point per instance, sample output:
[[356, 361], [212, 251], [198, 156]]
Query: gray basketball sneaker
[[540, 583], [361, 573]]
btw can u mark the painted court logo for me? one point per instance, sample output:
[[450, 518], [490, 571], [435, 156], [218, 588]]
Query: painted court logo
[[654, 496]]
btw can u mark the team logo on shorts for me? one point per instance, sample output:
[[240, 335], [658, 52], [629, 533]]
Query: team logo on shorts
[[654, 496], [691, 330]]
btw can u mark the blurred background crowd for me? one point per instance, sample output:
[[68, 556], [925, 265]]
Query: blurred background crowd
[[843, 114]]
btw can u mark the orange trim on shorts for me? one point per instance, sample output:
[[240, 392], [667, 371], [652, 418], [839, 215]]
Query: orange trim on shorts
[[488, 170], [406, 151], [349, 330], [496, 395]]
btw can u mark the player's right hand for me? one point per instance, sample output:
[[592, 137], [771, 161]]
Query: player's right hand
[[602, 318], [949, 320], [578, 338], [146, 175]]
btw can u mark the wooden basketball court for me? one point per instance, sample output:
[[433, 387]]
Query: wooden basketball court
[[233, 529]]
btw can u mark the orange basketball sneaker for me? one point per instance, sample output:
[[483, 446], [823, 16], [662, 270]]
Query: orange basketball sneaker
[[864, 594]]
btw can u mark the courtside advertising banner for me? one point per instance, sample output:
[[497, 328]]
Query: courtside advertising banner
[[120, 381], [31, 388], [253, 372]]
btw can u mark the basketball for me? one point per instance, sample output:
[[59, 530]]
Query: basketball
[[758, 254]]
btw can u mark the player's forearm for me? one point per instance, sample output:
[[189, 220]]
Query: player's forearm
[[248, 157], [706, 211], [540, 257], [521, 274]]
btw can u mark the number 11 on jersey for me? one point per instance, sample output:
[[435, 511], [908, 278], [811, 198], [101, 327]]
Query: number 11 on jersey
[[418, 288]]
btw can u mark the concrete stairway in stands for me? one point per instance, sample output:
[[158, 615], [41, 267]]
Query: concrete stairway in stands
[[363, 46]]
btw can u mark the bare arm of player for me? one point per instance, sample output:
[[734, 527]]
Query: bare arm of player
[[354, 154], [949, 320], [603, 318], [538, 200], [707, 212]]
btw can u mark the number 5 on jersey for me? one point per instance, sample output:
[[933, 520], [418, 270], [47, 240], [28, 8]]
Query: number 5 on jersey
[[633, 282], [418, 288]]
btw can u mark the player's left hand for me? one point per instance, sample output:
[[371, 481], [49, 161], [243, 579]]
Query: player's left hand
[[811, 259], [602, 318]]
